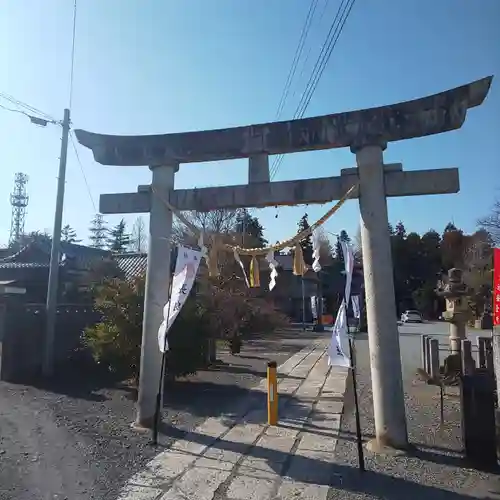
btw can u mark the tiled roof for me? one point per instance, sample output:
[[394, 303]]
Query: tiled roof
[[23, 265], [84, 256], [132, 265], [135, 264]]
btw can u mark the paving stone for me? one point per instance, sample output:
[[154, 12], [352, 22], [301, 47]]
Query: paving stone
[[227, 458], [278, 439], [311, 467], [245, 433], [325, 423], [188, 447], [200, 483], [213, 427], [168, 465], [314, 442], [250, 488], [296, 490], [261, 468], [328, 407], [131, 492], [288, 386]]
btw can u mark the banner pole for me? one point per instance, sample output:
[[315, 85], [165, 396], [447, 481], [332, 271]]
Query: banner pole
[[495, 341], [359, 437], [161, 382]]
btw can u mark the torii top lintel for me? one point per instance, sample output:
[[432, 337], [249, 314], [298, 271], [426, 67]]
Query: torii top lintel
[[406, 120]]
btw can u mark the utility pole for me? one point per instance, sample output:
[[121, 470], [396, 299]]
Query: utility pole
[[52, 289]]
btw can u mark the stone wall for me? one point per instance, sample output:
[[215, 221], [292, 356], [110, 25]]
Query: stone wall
[[22, 343]]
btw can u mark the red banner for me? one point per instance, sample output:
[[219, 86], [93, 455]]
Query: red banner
[[496, 286]]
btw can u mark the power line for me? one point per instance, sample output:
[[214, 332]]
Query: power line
[[333, 42], [296, 57], [317, 72], [333, 35], [306, 59], [82, 170], [71, 75], [26, 108]]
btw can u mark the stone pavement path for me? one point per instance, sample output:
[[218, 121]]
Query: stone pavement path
[[241, 458]]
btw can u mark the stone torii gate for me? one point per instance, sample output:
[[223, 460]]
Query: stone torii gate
[[367, 133]]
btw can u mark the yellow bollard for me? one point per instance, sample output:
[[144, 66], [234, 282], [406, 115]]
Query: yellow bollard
[[272, 394]]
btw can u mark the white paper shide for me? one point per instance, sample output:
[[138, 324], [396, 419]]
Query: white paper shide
[[186, 268]]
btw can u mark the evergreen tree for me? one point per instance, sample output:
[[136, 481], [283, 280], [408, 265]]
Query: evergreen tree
[[42, 237], [68, 235], [119, 239], [306, 244], [450, 227], [250, 227], [453, 246], [98, 232], [400, 230], [343, 236]]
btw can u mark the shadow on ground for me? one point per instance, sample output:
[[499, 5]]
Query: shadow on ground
[[319, 472]]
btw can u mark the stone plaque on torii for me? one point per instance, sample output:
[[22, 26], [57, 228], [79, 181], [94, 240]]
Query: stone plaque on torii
[[367, 133]]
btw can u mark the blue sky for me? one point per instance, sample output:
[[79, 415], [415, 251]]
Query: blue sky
[[158, 66]]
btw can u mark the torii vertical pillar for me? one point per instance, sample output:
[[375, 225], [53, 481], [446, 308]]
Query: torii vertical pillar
[[156, 293], [383, 334]]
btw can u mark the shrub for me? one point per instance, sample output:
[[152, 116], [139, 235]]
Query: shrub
[[116, 341], [211, 311]]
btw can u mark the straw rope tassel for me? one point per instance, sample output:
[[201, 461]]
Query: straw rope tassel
[[299, 266], [254, 272]]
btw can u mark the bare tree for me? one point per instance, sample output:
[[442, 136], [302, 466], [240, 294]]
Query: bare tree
[[220, 222], [491, 223], [139, 236], [325, 247]]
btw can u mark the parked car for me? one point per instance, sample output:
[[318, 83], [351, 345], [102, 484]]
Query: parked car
[[411, 316]]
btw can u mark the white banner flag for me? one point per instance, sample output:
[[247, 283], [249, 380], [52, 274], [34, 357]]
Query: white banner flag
[[186, 268], [340, 328], [349, 266], [355, 306], [339, 336], [314, 310]]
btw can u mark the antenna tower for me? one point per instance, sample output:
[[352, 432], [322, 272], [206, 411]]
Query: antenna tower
[[19, 202]]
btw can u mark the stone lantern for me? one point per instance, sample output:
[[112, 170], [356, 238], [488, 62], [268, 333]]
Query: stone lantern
[[457, 309]]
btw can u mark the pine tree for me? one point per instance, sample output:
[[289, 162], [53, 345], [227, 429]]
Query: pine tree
[[306, 244], [246, 225], [400, 230], [119, 239], [68, 235], [98, 232], [343, 236], [41, 237]]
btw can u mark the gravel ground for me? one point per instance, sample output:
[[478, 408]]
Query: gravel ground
[[76, 443], [435, 471]]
